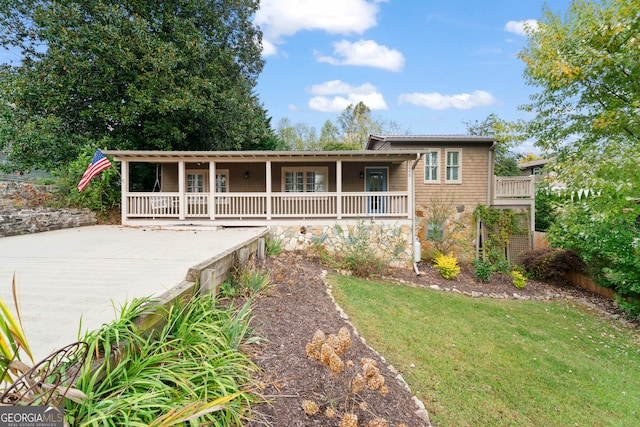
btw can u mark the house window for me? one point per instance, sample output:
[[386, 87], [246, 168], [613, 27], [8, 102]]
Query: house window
[[222, 183], [431, 167], [195, 183], [305, 180], [537, 170], [453, 174], [434, 230]]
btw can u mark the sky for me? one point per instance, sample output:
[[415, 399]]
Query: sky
[[431, 66]]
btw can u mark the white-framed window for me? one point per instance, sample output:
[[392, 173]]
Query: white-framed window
[[222, 184], [453, 172], [537, 170], [431, 166], [195, 182], [304, 179]]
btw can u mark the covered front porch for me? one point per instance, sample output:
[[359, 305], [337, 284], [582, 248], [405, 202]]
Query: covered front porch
[[261, 188]]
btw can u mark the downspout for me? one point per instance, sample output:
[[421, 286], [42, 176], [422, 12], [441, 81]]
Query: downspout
[[416, 243]]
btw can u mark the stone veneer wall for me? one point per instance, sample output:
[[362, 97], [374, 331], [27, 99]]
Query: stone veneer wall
[[21, 211], [384, 237]]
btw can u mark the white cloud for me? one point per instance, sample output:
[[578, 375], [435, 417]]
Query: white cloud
[[345, 94], [366, 53], [520, 27], [437, 101], [279, 18], [268, 48]]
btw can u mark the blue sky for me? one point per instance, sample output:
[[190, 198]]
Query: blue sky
[[428, 65]]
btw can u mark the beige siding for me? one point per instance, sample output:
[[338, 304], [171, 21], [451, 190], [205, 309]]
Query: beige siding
[[169, 177], [351, 180], [473, 188]]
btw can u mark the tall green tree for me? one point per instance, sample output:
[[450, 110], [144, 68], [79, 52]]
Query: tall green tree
[[131, 74], [586, 68], [506, 135], [329, 135], [356, 124], [587, 111], [296, 137]]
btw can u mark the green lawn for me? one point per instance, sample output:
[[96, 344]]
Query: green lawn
[[486, 362]]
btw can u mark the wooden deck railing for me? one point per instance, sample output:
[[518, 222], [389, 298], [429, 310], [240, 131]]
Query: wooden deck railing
[[514, 189], [282, 205]]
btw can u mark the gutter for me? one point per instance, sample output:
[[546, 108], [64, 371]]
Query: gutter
[[416, 243]]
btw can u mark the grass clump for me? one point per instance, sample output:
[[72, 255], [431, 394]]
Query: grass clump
[[500, 363], [190, 371], [273, 246], [246, 281]]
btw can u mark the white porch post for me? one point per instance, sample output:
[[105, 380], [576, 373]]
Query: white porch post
[[181, 189], [124, 191], [212, 190], [268, 187], [411, 211], [339, 188]]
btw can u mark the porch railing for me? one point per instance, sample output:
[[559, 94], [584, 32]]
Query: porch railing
[[283, 205], [509, 188], [375, 204]]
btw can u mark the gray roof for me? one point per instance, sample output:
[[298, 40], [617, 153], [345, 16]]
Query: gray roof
[[534, 163]]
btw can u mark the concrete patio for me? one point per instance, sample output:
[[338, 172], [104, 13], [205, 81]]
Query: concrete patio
[[76, 279]]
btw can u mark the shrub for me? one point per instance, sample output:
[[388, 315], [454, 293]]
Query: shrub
[[482, 269], [518, 279], [552, 264], [355, 251], [445, 226], [448, 266], [502, 266]]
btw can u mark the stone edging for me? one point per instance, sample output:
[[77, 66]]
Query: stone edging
[[421, 412]]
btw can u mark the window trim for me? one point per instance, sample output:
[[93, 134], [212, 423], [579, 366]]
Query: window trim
[[438, 167], [205, 180], [304, 170], [459, 166]]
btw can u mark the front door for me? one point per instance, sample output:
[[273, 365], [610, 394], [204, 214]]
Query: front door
[[376, 181]]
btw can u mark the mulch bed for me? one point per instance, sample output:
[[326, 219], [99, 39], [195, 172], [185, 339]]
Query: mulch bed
[[297, 304]]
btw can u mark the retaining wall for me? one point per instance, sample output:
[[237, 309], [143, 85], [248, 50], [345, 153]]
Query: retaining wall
[[21, 211]]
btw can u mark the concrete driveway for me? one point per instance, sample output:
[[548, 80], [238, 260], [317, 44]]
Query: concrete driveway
[[89, 272]]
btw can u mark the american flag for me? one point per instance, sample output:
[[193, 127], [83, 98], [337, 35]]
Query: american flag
[[97, 165]]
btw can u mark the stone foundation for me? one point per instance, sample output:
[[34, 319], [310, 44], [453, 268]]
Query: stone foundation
[[383, 238], [458, 228]]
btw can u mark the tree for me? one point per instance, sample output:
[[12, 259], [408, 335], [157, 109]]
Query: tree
[[587, 112], [131, 74], [506, 135], [586, 67], [296, 137], [329, 135], [356, 125]]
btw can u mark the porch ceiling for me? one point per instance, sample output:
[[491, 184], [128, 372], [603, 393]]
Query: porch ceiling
[[262, 156]]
